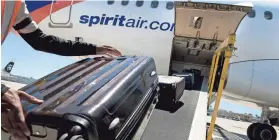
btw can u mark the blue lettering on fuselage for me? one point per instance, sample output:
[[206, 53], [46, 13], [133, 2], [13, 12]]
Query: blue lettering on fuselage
[[121, 20]]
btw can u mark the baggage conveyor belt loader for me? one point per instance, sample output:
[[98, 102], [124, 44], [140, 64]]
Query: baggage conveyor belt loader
[[203, 43]]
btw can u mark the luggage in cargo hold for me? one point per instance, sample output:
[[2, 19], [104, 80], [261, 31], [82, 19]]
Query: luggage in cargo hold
[[93, 99], [171, 89], [189, 79]]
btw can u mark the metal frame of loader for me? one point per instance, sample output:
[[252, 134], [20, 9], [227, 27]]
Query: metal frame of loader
[[227, 47]]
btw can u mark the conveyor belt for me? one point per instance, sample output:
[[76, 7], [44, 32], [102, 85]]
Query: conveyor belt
[[220, 133], [164, 125]]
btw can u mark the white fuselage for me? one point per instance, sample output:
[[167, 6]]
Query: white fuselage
[[137, 29], [254, 70]]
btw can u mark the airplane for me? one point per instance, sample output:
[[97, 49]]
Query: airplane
[[6, 71], [14, 80], [147, 28]]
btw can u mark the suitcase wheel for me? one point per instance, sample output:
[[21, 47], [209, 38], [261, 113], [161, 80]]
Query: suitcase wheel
[[75, 137], [74, 134], [64, 136]]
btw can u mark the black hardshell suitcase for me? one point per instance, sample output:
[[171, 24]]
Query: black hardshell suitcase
[[171, 89], [93, 99]]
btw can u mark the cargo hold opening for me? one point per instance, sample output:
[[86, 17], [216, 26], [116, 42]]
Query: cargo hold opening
[[199, 30]]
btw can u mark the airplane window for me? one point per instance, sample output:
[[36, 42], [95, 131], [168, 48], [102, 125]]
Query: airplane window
[[268, 15], [252, 13], [110, 2], [169, 5], [125, 2], [139, 3], [154, 4]]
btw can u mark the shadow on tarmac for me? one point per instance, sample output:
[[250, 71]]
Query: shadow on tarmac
[[168, 107], [219, 131], [244, 137]]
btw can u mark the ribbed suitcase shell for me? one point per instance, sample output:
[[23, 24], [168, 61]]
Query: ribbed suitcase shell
[[92, 93]]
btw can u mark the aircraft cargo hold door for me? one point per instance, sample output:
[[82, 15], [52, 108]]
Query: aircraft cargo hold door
[[199, 29]]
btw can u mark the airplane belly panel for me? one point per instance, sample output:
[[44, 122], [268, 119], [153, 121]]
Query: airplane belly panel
[[254, 81], [239, 80], [265, 83]]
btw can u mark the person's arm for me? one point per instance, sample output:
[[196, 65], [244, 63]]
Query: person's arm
[[40, 41], [53, 44]]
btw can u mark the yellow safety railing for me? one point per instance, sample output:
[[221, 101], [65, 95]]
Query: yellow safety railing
[[227, 47], [213, 70]]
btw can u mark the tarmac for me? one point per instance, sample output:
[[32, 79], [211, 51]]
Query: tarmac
[[226, 129]]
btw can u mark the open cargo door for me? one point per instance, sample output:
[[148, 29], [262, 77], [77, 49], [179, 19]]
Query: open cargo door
[[201, 27]]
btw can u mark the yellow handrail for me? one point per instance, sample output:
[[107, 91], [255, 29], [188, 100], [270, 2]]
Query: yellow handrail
[[227, 46], [215, 65]]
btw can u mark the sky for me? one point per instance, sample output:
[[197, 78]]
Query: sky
[[36, 64], [229, 106], [29, 62]]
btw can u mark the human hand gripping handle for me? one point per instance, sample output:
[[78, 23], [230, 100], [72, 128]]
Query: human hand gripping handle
[[108, 51], [12, 115]]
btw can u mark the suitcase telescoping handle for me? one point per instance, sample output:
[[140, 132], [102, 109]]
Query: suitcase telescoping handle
[[103, 58], [111, 58], [67, 126]]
